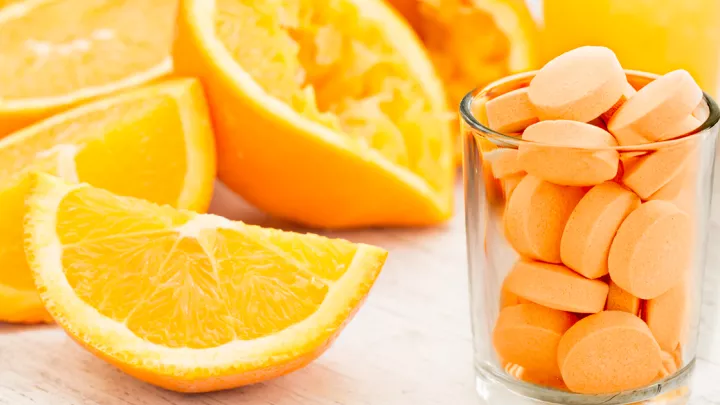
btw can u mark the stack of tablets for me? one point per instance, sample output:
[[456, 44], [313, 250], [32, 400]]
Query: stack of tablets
[[597, 302]]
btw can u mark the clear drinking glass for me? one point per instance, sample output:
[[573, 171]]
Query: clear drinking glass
[[491, 257]]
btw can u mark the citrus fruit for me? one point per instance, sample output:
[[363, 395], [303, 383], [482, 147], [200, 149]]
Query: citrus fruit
[[328, 114], [57, 53], [154, 142], [473, 42], [189, 302]]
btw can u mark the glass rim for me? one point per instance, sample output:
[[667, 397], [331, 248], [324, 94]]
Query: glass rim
[[507, 140]]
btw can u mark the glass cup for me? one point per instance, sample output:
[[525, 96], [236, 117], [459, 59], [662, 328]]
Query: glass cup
[[492, 256]]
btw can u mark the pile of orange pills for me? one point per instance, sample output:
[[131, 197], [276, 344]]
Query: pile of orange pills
[[597, 302]]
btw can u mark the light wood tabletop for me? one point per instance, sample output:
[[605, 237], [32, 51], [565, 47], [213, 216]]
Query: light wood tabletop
[[409, 345]]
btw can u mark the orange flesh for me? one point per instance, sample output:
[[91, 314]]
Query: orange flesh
[[337, 69], [86, 50], [176, 286]]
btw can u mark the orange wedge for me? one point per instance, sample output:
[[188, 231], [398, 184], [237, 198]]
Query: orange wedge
[[154, 142], [57, 53], [187, 301], [473, 42], [327, 113]]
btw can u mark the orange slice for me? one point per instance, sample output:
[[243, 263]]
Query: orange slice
[[56, 54], [330, 115], [187, 301], [473, 42], [153, 142]]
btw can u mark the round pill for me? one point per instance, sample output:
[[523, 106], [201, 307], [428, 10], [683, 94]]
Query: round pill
[[660, 105], [504, 162], [652, 249], [578, 85], [535, 217], [566, 153], [511, 112], [611, 351], [592, 225], [555, 286], [666, 316], [528, 335], [621, 300], [646, 174]]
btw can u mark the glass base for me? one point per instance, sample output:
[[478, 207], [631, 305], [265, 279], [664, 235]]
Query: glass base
[[495, 388]]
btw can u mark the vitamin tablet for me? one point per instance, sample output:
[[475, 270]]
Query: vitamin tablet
[[652, 249], [566, 153], [504, 162], [621, 300], [645, 175], [592, 225], [611, 351], [660, 105], [510, 112], [578, 85], [666, 316], [528, 335], [555, 286], [535, 217]]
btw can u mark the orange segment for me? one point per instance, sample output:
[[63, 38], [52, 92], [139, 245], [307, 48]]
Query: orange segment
[[56, 54], [187, 301], [329, 115], [155, 143]]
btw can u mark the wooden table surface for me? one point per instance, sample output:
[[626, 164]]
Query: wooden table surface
[[409, 345]]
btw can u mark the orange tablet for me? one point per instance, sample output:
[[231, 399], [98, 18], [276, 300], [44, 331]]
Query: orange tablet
[[578, 85], [535, 217], [621, 300], [608, 352], [568, 153], [652, 250], [589, 231], [666, 316], [647, 174], [556, 286], [528, 335], [510, 112], [661, 110]]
